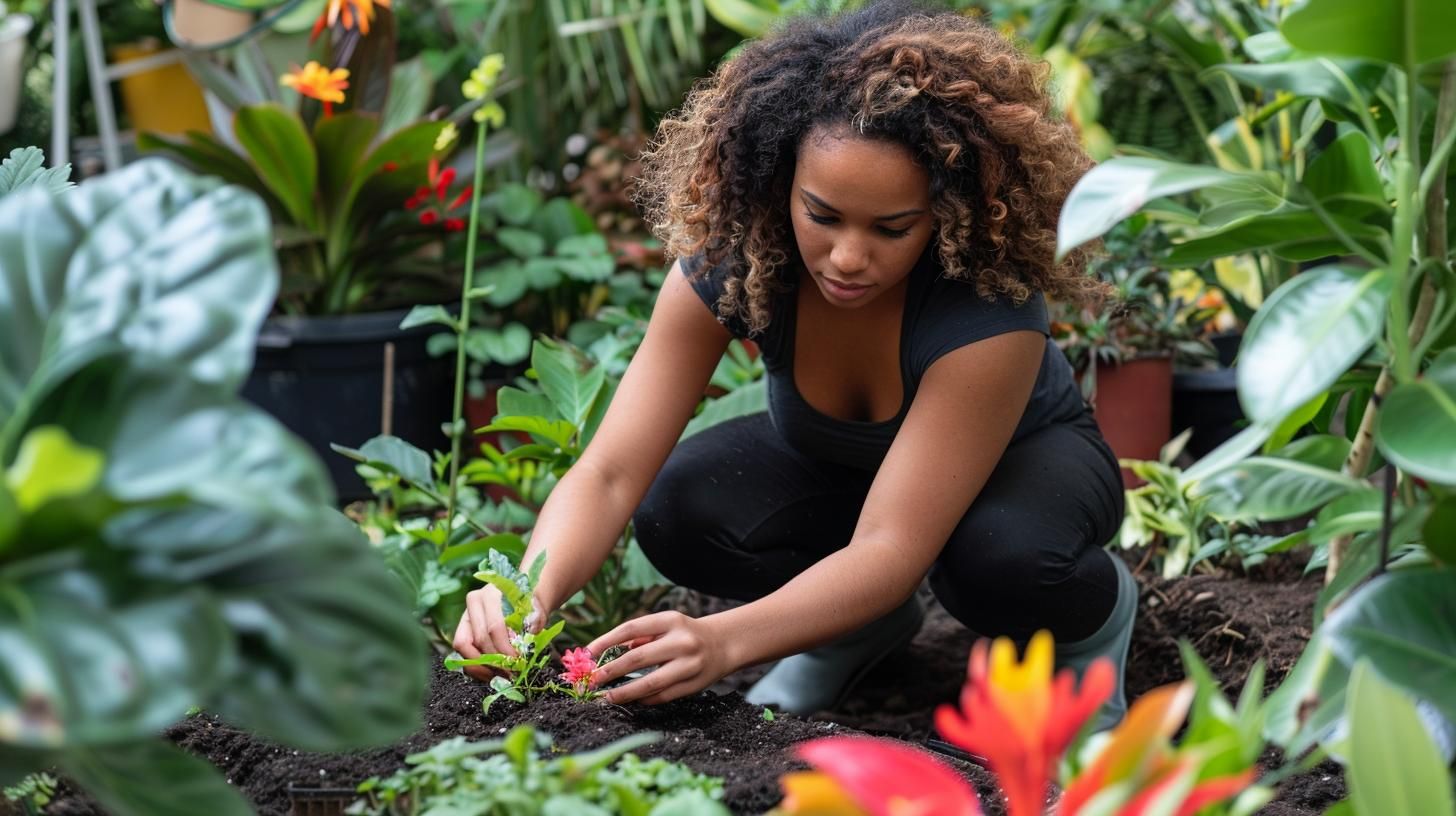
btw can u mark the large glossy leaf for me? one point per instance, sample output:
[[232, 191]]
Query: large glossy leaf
[[1416, 428], [1284, 486], [1309, 706], [410, 89], [137, 265], [748, 18], [1404, 623], [1424, 30], [1329, 79], [1394, 766], [1297, 235], [1306, 335], [279, 148], [154, 778], [1117, 188], [750, 399]]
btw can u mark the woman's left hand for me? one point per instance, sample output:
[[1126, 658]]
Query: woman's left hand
[[689, 654]]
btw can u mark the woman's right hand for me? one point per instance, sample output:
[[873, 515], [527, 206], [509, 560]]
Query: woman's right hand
[[483, 630]]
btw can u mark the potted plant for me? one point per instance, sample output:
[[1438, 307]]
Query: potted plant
[[1124, 353], [364, 212]]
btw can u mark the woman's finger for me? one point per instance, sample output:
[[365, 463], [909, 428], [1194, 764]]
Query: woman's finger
[[500, 634], [475, 609], [645, 627], [649, 654], [669, 675], [464, 644]]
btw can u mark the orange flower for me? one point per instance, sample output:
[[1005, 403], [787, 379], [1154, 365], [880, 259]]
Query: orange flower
[[314, 80], [1140, 759], [354, 13], [1016, 716]]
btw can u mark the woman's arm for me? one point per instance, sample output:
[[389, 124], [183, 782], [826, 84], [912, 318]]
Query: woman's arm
[[965, 411], [586, 512]]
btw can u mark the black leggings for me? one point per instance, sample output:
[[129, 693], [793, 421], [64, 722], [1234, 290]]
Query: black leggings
[[736, 513]]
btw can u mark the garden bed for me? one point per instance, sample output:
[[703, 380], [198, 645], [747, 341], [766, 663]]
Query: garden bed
[[1233, 621]]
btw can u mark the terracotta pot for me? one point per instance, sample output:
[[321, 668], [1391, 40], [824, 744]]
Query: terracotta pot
[[1133, 407], [200, 24]]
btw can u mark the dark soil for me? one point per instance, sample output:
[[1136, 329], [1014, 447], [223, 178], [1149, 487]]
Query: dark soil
[[1233, 621]]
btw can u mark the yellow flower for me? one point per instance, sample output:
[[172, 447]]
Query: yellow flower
[[316, 81], [492, 114], [482, 79], [447, 137]]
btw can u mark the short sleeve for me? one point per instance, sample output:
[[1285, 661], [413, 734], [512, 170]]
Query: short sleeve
[[708, 282], [955, 315]]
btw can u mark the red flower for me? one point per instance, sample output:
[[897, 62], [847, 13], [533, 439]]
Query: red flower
[[580, 669], [885, 777], [432, 195]]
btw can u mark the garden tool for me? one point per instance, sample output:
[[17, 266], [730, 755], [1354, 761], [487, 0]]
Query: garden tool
[[821, 678]]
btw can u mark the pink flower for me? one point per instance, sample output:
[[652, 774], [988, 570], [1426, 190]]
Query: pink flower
[[580, 666]]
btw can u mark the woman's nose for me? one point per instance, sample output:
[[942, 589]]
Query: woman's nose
[[849, 257]]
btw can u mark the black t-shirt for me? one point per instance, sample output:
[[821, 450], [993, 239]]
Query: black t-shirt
[[941, 315]]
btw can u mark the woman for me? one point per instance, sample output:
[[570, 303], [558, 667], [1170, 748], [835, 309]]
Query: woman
[[873, 199]]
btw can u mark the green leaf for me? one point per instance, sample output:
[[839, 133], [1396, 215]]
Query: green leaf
[[591, 269], [1404, 623], [1299, 480], [522, 243], [25, 167], [510, 545], [1306, 335], [1425, 30], [750, 399], [1394, 765], [570, 389], [279, 148], [559, 218], [410, 89], [427, 315], [517, 203], [1298, 235], [408, 151], [1119, 187], [1295, 422], [341, 141], [72, 293], [206, 155], [747, 18], [508, 282], [556, 431], [1309, 78], [507, 345], [1343, 177], [1356, 512], [1416, 427], [590, 245], [515, 402], [400, 457], [51, 465], [1439, 531], [154, 778]]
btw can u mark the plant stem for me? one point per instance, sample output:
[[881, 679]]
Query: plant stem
[[1435, 247], [457, 413]]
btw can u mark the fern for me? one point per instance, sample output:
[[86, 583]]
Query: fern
[[26, 168]]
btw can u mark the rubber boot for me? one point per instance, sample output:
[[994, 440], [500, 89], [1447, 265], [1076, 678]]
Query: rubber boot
[[1110, 641], [820, 678]]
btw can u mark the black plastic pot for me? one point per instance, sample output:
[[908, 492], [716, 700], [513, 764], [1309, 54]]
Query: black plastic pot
[[1207, 402], [323, 378]]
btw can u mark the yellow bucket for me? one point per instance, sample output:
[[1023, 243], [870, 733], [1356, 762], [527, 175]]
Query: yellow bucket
[[162, 100]]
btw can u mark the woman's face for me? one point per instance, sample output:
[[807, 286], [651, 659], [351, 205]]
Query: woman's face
[[861, 215]]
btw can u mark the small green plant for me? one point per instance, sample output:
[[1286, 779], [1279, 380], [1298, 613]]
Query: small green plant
[[768, 715], [32, 793], [509, 776]]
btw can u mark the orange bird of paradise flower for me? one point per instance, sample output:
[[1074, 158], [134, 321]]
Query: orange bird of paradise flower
[[353, 13], [314, 80]]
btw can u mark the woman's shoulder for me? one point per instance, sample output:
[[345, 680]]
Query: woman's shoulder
[[710, 282], [953, 313]]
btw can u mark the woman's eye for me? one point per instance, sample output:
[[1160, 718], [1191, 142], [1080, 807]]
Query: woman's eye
[[885, 231], [819, 219], [895, 233]]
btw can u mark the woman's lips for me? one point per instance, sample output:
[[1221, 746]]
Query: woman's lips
[[844, 291]]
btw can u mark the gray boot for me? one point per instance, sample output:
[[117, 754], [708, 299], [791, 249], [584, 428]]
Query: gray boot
[[1112, 641], [820, 678]]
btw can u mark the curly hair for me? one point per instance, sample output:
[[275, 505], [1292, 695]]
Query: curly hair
[[972, 110]]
